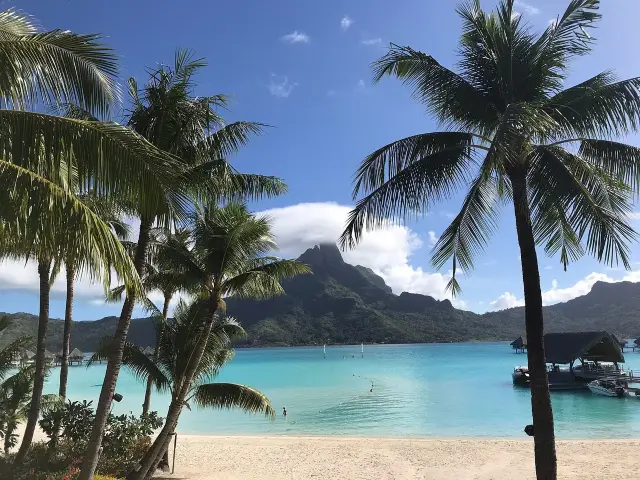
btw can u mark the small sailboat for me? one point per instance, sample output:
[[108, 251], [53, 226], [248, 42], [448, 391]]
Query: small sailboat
[[325, 351], [362, 349]]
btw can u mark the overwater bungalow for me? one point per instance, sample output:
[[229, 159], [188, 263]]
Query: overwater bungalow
[[519, 345], [27, 357], [598, 353], [148, 351], [620, 340], [76, 356], [49, 357]]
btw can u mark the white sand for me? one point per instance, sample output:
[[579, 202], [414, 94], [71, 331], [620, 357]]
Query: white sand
[[284, 457]]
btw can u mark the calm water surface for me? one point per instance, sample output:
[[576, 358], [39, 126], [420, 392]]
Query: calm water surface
[[423, 390]]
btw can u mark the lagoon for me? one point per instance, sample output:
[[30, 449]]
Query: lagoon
[[427, 390]]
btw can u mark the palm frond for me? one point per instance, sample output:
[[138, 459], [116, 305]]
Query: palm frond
[[406, 177], [598, 107], [230, 395], [141, 366], [597, 205], [618, 160], [110, 160], [262, 281], [55, 67], [448, 96], [9, 352], [230, 138], [44, 217]]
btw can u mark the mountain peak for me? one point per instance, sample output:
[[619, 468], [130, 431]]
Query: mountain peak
[[322, 254]]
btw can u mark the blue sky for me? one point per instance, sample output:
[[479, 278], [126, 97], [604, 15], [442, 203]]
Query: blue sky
[[303, 67]]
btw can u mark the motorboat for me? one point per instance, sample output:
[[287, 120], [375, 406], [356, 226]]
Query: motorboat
[[607, 388], [520, 375]]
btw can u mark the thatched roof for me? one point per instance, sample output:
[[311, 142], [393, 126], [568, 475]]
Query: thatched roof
[[620, 340], [148, 351], [518, 342], [28, 354], [76, 353], [48, 355], [563, 348]]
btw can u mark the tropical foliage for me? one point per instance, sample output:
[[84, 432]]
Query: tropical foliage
[[513, 135], [229, 258]]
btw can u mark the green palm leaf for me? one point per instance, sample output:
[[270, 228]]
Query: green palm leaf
[[54, 67], [47, 220], [231, 395]]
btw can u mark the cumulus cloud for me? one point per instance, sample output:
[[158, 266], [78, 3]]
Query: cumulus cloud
[[345, 23], [526, 7], [361, 83], [558, 295], [433, 238], [296, 37], [387, 251], [280, 86]]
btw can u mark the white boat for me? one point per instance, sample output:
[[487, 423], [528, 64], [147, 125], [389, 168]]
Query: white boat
[[607, 388], [520, 375]]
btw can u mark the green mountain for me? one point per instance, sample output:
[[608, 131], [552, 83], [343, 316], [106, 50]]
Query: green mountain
[[342, 303]]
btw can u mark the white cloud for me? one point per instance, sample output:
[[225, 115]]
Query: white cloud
[[548, 267], [526, 7], [345, 23], [296, 37], [372, 41], [633, 215], [361, 83], [280, 86], [331, 93], [387, 251], [558, 295], [433, 238]]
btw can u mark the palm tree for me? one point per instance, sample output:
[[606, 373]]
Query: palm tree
[[228, 258], [160, 276], [168, 114], [15, 402], [11, 348], [177, 340], [513, 136], [40, 153]]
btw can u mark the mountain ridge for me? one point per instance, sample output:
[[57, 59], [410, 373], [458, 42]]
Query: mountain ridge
[[341, 303]]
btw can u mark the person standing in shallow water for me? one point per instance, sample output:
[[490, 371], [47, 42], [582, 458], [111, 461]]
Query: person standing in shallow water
[[284, 411]]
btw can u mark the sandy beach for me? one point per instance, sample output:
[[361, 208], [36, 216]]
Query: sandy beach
[[284, 457]]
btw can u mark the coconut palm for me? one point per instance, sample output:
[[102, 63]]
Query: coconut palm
[[39, 154], [229, 258], [168, 114], [178, 338], [10, 348], [515, 136], [160, 276]]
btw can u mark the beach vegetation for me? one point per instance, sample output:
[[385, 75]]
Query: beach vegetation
[[513, 134]]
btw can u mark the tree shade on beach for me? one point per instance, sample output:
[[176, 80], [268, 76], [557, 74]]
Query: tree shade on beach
[[513, 136]]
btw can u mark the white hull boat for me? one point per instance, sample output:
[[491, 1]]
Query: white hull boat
[[607, 388]]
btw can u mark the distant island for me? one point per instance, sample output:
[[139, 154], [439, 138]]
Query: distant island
[[347, 304]]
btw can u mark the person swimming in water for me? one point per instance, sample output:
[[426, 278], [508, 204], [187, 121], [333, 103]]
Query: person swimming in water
[[284, 411]]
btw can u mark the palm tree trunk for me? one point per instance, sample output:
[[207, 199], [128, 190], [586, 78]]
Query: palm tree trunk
[[147, 394], [66, 337], [7, 438], [544, 437], [92, 453], [44, 270], [181, 390]]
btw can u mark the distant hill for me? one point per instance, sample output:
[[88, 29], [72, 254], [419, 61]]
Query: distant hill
[[342, 303]]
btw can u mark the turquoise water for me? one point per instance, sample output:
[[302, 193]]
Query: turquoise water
[[423, 390]]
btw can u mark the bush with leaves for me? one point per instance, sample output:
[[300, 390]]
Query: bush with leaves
[[126, 437]]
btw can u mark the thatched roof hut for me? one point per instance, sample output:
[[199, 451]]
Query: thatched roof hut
[[566, 348], [48, 356], [76, 356], [518, 342], [620, 340], [148, 351], [27, 355]]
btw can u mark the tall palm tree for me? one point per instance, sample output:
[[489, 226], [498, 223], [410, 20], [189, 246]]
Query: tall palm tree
[[39, 153], [178, 338], [168, 114], [229, 258], [513, 135]]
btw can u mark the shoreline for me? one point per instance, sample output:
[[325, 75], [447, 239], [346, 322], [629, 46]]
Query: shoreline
[[244, 457]]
